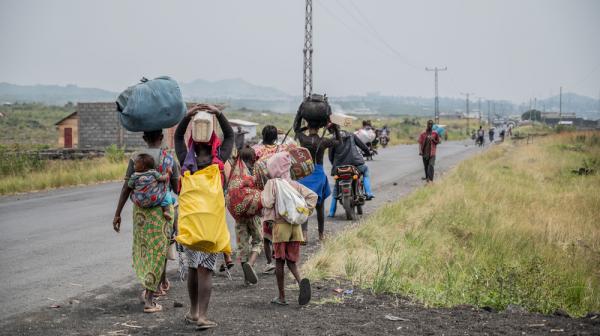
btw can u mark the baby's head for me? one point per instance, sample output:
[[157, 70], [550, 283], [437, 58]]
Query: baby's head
[[143, 162], [248, 155]]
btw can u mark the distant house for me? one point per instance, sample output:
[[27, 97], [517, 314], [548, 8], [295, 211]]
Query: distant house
[[247, 126], [68, 131], [96, 125]]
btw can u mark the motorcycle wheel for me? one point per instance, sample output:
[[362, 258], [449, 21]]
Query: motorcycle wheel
[[350, 210], [359, 209]]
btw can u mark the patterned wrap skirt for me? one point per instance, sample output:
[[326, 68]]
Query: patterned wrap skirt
[[151, 234]]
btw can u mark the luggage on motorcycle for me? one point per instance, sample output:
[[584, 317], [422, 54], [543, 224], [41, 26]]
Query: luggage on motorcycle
[[315, 110], [151, 105], [342, 119], [302, 165], [366, 135], [289, 203], [347, 152]]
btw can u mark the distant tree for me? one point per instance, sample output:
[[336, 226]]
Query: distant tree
[[532, 115]]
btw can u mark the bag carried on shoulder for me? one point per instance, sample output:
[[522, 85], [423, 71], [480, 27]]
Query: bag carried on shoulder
[[302, 165], [289, 203], [202, 223], [151, 105], [243, 198]]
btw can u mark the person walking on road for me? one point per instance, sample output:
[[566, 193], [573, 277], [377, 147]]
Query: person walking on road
[[317, 181], [428, 141], [286, 236], [201, 265], [268, 147], [151, 230]]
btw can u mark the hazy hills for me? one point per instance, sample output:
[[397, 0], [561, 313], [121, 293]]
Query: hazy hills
[[240, 93]]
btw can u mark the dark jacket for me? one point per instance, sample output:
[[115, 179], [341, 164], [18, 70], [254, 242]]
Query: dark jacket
[[346, 151]]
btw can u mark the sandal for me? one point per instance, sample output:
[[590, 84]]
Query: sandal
[[189, 319], [305, 292], [154, 309], [279, 302], [249, 274], [206, 324], [229, 266]]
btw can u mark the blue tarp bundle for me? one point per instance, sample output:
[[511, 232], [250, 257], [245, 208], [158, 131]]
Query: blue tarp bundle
[[151, 105]]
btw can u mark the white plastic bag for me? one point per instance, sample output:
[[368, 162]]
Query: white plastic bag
[[289, 203], [365, 136]]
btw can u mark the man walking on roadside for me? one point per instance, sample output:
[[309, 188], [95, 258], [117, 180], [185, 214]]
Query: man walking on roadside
[[428, 142]]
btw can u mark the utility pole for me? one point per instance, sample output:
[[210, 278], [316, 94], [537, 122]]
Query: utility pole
[[308, 50], [479, 110], [560, 104], [489, 120], [467, 103], [436, 102]]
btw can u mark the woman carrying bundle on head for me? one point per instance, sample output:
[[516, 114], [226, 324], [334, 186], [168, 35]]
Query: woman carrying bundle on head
[[317, 181], [202, 203]]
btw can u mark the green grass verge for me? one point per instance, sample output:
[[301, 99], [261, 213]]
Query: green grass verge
[[514, 225]]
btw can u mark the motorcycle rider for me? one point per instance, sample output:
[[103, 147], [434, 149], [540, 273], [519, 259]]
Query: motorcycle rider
[[346, 152]]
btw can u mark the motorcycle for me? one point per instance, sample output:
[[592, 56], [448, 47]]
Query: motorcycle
[[350, 190], [384, 140], [372, 150]]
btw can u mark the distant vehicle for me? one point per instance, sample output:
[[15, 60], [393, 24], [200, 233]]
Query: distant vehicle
[[566, 122]]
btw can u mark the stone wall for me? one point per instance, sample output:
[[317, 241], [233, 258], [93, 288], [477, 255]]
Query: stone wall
[[99, 127]]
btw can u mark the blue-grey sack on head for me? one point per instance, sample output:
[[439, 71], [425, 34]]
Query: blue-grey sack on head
[[151, 105]]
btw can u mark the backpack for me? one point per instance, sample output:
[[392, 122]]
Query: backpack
[[153, 193], [289, 203]]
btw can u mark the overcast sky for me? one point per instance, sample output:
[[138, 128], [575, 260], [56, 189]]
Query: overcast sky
[[504, 49]]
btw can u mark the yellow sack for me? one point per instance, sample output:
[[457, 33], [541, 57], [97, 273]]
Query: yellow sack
[[202, 223]]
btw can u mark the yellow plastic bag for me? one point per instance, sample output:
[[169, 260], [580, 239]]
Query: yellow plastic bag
[[202, 224]]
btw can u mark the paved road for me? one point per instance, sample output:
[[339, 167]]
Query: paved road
[[58, 244]]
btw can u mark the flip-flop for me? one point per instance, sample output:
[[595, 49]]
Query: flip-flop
[[189, 319], [249, 274], [206, 325], [279, 302], [229, 266], [305, 292], [154, 309]]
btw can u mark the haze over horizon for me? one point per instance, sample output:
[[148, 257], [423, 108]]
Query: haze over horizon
[[513, 50]]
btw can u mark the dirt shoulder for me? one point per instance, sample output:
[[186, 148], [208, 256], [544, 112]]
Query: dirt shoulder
[[243, 310]]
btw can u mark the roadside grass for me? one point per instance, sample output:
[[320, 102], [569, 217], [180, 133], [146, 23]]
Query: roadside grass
[[514, 225], [62, 174]]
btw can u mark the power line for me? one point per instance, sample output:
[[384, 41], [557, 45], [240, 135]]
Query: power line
[[376, 33], [436, 102]]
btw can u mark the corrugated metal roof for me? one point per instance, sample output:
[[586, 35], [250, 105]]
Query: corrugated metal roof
[[240, 122]]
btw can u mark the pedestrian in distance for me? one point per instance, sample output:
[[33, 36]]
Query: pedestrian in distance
[[428, 141], [196, 157], [152, 230]]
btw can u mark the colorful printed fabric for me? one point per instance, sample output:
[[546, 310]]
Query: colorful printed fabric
[[151, 233], [147, 191], [242, 199]]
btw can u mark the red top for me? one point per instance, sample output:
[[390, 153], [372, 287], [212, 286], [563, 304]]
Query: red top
[[435, 140]]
